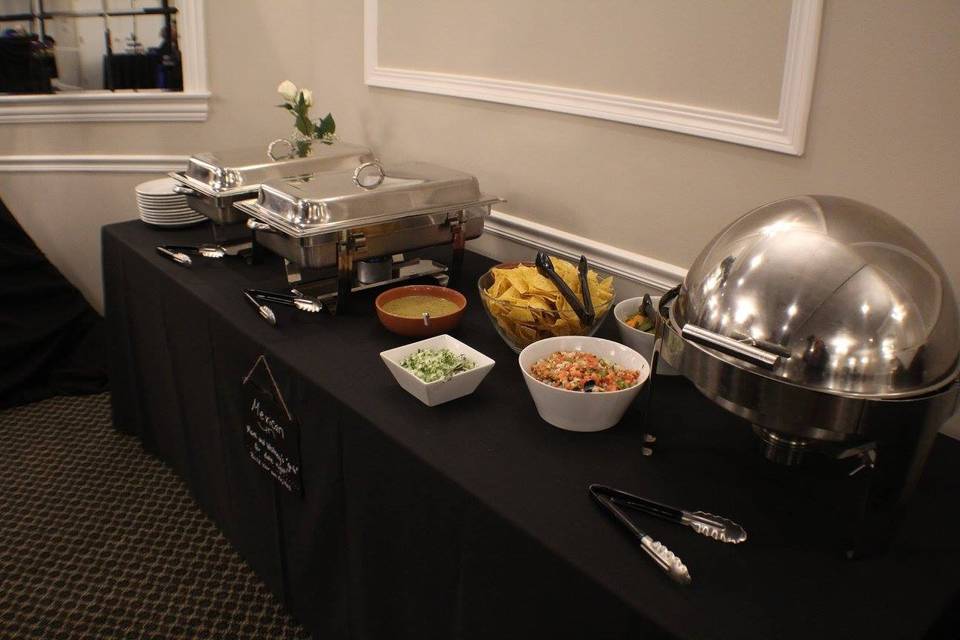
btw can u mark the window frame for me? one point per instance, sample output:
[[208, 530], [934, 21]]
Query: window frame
[[129, 105]]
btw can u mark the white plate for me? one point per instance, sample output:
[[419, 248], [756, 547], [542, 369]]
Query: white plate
[[151, 207], [169, 214], [440, 391], [191, 214], [177, 221], [179, 225], [171, 218], [164, 208], [163, 198], [163, 205], [158, 187], [159, 208], [174, 221], [174, 204]]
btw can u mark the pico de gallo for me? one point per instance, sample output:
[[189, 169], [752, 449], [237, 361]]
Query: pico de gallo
[[580, 371]]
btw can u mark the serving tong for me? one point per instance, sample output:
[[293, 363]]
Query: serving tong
[[265, 312], [258, 298], [180, 253], [584, 310], [706, 524], [294, 299]]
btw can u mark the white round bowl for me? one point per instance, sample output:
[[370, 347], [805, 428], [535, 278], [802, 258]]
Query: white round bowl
[[640, 341], [576, 410]]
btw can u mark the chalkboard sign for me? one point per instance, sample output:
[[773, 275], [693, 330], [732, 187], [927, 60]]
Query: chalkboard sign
[[271, 434]]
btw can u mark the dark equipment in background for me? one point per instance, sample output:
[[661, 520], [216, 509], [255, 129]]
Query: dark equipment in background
[[51, 341], [28, 60]]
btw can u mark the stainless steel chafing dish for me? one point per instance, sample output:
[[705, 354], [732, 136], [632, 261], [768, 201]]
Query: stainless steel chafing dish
[[361, 222], [213, 181], [831, 327]]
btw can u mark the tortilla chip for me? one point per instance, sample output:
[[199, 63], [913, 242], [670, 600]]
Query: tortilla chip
[[527, 306]]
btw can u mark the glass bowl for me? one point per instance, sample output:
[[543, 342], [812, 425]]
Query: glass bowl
[[520, 325]]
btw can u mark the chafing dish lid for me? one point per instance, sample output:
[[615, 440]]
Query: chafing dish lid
[[859, 302], [321, 203], [235, 171]]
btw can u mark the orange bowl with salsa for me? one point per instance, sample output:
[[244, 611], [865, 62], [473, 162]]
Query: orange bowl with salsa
[[420, 310]]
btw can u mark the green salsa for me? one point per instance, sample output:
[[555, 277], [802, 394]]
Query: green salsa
[[416, 306]]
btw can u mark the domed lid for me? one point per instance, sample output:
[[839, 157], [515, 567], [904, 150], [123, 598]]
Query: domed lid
[[849, 297]]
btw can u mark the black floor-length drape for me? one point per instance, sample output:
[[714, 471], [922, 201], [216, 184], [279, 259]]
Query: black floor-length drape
[[51, 339]]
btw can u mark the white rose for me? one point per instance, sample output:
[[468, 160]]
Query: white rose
[[287, 90], [307, 97]]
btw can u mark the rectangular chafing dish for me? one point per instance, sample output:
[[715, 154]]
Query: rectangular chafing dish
[[213, 181], [338, 218]]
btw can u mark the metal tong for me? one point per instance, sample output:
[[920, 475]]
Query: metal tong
[[177, 256], [205, 250], [265, 312], [179, 252], [295, 299], [665, 559], [584, 310], [706, 524]]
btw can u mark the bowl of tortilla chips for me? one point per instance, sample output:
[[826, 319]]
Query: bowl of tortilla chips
[[525, 306]]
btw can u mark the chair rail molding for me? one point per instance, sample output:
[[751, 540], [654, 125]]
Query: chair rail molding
[[189, 105], [107, 163], [609, 259], [785, 134]]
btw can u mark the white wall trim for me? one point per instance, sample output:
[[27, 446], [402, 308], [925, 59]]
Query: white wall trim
[[613, 260], [91, 163], [785, 134], [190, 105], [120, 106]]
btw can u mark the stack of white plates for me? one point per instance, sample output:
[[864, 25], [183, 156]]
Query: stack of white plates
[[161, 207]]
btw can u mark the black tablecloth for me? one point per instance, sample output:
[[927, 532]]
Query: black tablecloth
[[471, 519]]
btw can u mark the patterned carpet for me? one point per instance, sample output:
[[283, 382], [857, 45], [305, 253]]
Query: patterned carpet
[[100, 540]]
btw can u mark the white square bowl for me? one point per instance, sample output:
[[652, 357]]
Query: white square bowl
[[440, 391]]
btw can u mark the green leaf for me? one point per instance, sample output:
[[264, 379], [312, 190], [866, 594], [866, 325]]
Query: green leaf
[[326, 126], [304, 125]]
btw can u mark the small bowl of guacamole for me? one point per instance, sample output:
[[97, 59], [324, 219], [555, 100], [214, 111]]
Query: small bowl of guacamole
[[420, 310]]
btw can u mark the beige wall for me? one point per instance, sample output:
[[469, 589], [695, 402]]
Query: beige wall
[[884, 128], [669, 51]]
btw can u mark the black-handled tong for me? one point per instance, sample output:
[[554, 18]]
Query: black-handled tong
[[296, 300], [584, 310], [176, 256], [706, 524], [583, 270], [665, 559]]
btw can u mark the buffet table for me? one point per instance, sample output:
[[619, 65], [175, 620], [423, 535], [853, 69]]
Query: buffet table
[[472, 519]]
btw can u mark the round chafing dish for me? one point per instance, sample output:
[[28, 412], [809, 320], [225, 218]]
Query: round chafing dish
[[827, 324]]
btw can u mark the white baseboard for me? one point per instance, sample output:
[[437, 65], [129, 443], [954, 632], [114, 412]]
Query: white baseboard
[[507, 237], [108, 163]]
